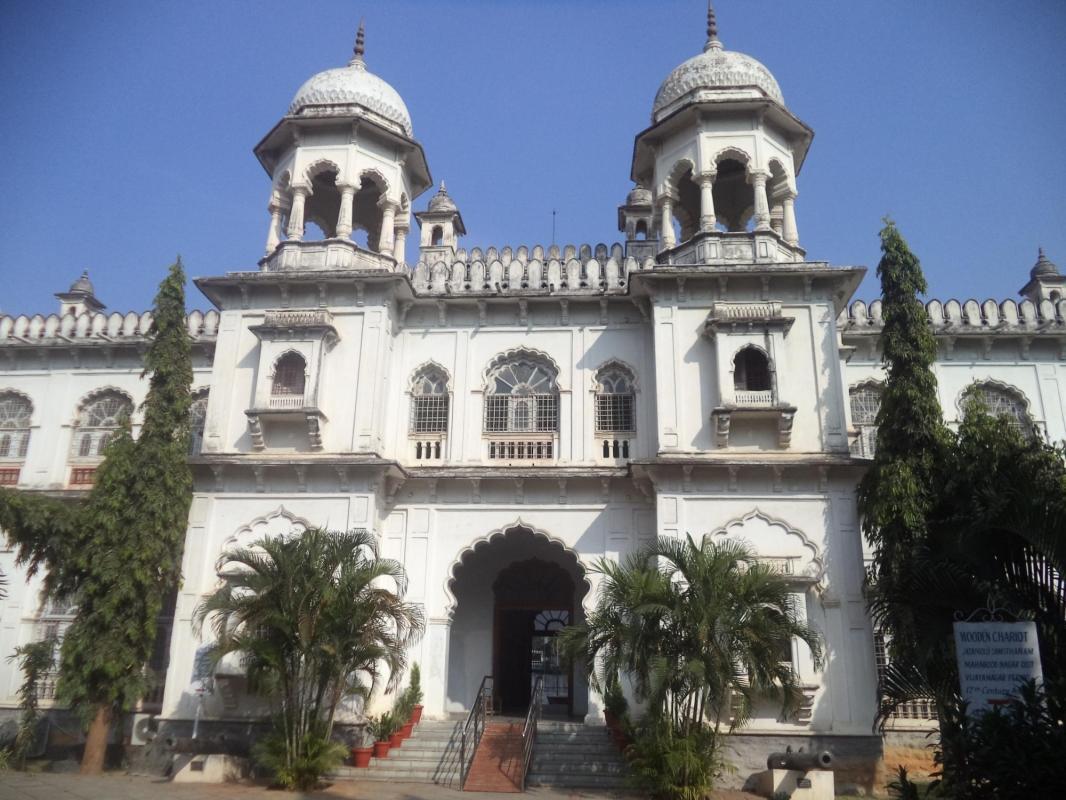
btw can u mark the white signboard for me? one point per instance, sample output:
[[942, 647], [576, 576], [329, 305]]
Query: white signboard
[[994, 659]]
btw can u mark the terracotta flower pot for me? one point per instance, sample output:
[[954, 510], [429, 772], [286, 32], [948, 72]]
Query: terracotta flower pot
[[416, 714], [405, 731], [612, 720], [361, 756], [381, 749], [396, 739]]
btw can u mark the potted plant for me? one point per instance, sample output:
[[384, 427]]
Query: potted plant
[[380, 729], [402, 713], [415, 690], [615, 706], [361, 755]]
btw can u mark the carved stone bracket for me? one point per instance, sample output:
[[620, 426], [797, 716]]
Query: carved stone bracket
[[724, 416], [255, 430]]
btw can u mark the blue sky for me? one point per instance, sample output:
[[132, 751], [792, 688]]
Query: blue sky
[[127, 126]]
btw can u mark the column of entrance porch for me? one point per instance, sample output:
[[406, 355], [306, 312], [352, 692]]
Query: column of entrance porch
[[435, 687]]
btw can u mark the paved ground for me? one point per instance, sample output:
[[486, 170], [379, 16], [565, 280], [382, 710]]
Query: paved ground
[[46, 786]]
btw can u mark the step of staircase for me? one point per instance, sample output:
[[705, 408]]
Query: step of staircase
[[573, 756], [430, 755]]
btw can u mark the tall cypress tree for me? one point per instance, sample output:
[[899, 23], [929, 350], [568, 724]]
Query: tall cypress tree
[[133, 529], [899, 492]]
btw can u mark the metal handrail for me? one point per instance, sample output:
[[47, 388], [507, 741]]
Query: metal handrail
[[529, 732], [481, 708]]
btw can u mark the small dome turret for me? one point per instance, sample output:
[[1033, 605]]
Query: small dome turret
[[1043, 267], [442, 201], [85, 286]]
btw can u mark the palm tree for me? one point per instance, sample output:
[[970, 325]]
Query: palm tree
[[699, 629], [316, 617]]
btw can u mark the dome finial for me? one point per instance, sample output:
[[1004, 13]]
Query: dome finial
[[1043, 267], [712, 29], [360, 42], [445, 191]]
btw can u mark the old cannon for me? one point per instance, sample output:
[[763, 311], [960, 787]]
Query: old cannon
[[800, 761]]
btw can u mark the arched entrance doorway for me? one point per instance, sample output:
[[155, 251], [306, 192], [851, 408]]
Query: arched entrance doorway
[[514, 592]]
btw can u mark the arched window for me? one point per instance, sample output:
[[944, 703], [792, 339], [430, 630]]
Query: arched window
[[289, 376], [97, 422], [429, 402], [522, 397], [15, 414], [1000, 401], [865, 403], [436, 236], [615, 400], [641, 231], [197, 420], [751, 371]]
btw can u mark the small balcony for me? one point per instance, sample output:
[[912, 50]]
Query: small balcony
[[82, 477], [9, 476]]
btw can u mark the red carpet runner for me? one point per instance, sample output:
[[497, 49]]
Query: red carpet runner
[[497, 763]]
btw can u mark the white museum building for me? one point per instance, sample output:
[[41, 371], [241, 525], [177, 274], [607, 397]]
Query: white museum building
[[501, 417]]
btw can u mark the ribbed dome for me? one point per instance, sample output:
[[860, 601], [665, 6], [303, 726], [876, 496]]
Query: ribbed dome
[[442, 201], [82, 285], [639, 196], [715, 72], [1043, 267], [354, 85]]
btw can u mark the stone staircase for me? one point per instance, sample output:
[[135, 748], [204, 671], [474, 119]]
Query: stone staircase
[[570, 755], [567, 755], [431, 755]]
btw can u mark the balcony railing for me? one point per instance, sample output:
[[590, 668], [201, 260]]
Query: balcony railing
[[427, 450], [286, 401], [521, 449], [613, 449], [755, 399], [9, 476]]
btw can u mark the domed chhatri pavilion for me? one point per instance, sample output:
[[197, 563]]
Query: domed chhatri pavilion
[[503, 416]]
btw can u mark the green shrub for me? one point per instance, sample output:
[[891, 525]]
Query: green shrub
[[1010, 751], [302, 767], [670, 766], [614, 700], [902, 788], [414, 688], [382, 727]]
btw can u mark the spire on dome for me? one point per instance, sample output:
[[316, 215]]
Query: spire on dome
[[360, 43], [445, 191], [712, 29]]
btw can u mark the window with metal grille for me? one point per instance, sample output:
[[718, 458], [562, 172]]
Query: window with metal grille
[[614, 401], [751, 371], [522, 398], [1001, 403], [98, 421], [15, 414], [197, 420], [429, 403], [913, 709], [289, 375], [865, 403]]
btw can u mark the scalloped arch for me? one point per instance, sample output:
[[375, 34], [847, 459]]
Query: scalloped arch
[[731, 152], [678, 171], [501, 359], [816, 560], [97, 393], [497, 537], [375, 175], [264, 522], [319, 166], [615, 363], [867, 383], [285, 352], [753, 346], [425, 367], [993, 383]]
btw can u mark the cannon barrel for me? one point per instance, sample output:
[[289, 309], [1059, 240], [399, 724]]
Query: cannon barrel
[[800, 761]]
